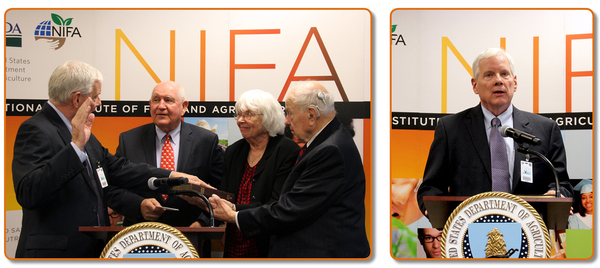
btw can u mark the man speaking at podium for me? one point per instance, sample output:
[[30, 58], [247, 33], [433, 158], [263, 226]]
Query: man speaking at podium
[[468, 155]]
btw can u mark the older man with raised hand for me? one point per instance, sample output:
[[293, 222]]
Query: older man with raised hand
[[60, 170], [320, 212], [194, 151]]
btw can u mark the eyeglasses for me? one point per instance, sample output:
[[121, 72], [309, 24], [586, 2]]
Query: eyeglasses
[[244, 115], [114, 215], [429, 239]]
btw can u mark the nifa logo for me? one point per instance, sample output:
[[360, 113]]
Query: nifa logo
[[397, 38], [56, 34]]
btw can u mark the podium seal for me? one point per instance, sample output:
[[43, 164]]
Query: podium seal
[[149, 240], [495, 225]]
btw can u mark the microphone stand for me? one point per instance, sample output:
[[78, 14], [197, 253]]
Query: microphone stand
[[196, 193], [546, 161]]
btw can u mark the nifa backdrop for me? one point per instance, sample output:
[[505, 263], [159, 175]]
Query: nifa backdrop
[[215, 54]]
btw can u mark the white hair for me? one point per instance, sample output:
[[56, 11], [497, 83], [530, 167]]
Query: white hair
[[273, 118], [312, 94], [491, 52], [71, 77]]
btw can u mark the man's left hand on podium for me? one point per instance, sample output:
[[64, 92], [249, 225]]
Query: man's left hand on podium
[[553, 193]]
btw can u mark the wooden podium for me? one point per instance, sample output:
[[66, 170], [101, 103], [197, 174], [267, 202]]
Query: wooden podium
[[194, 234], [554, 211]]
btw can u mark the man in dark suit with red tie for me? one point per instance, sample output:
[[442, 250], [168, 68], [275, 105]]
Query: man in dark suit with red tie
[[192, 150], [172, 144], [321, 211], [462, 160]]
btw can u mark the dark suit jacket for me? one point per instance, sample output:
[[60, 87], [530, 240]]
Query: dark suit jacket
[[199, 155], [459, 162], [55, 190], [271, 172], [321, 210]]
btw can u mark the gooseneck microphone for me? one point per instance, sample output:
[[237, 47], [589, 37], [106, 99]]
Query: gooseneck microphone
[[519, 136], [202, 196], [154, 182]]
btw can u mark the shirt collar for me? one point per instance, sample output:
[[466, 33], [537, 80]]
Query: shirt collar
[[160, 135], [62, 116], [505, 117], [317, 134]]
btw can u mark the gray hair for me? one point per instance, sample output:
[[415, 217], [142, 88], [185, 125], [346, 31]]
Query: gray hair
[[72, 77], [273, 119], [491, 52], [312, 94]]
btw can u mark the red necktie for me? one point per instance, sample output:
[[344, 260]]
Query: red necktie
[[167, 159], [301, 153]]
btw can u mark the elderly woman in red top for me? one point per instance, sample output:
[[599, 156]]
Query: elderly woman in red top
[[256, 166]]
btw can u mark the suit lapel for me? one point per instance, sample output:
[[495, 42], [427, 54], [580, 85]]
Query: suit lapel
[[186, 140], [55, 119], [520, 122], [64, 133], [327, 131], [149, 145], [265, 157], [240, 161], [476, 128]]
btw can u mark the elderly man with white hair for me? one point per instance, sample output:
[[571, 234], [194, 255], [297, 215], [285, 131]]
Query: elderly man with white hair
[[60, 170], [320, 212]]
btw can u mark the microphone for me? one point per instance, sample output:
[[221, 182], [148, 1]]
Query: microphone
[[519, 136], [202, 196], [154, 182]]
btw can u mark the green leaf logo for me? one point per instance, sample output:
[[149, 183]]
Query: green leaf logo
[[60, 21], [57, 19], [394, 27]]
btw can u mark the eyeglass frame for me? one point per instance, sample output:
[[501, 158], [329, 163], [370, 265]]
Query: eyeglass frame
[[438, 238], [246, 115]]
